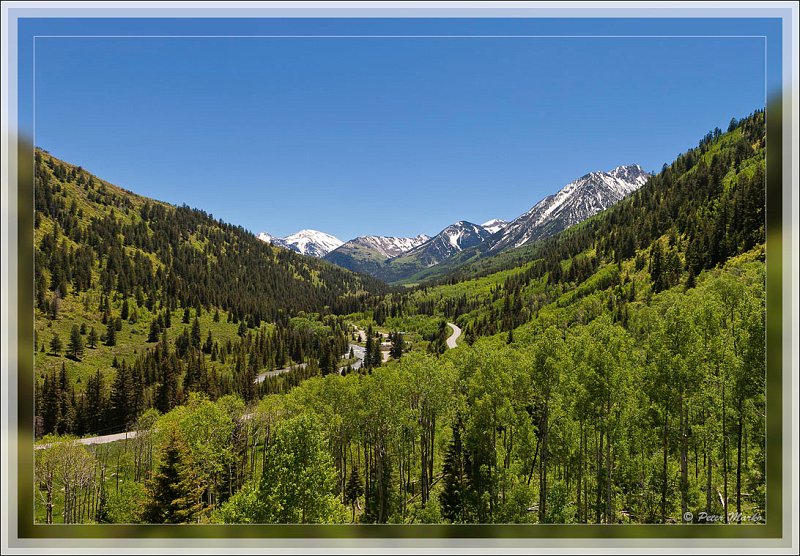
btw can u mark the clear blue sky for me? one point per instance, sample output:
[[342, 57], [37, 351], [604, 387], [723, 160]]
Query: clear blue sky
[[390, 136]]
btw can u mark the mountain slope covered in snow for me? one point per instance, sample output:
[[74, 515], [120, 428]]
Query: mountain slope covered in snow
[[366, 254], [305, 242]]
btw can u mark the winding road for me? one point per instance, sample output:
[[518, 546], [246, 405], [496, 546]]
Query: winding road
[[451, 341], [358, 351]]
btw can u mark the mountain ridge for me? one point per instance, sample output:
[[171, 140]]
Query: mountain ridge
[[573, 203]]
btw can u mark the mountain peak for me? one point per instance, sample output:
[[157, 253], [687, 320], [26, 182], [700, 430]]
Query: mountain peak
[[573, 203], [494, 225], [305, 242], [453, 239]]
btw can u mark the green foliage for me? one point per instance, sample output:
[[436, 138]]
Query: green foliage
[[298, 482]]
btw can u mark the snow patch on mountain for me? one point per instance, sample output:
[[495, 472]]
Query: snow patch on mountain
[[494, 225], [305, 242], [389, 246], [575, 202]]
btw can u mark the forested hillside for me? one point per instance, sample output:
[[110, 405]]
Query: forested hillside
[[611, 374], [139, 302]]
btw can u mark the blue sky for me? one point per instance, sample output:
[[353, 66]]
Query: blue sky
[[390, 136]]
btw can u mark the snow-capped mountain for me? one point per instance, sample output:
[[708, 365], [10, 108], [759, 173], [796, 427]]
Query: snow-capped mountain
[[367, 254], [453, 239], [494, 225], [399, 258], [575, 202], [268, 238], [389, 246], [305, 242]]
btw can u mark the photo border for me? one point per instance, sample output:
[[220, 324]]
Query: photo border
[[777, 333]]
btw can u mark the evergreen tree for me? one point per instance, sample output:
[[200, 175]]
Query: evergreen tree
[[155, 331], [195, 336], [75, 342], [56, 345], [111, 333], [376, 357], [121, 398], [175, 492], [657, 267], [92, 339], [369, 348], [354, 490], [398, 345], [455, 482], [102, 513]]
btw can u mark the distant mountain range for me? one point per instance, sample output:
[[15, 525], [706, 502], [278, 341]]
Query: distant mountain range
[[395, 259]]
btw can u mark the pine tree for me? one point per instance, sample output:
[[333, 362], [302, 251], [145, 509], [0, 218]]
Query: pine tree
[[102, 513], [125, 310], [175, 491], [690, 280], [155, 331], [376, 357], [398, 345], [92, 339], [56, 345], [120, 398], [354, 490], [66, 409], [657, 270], [195, 336], [111, 333], [455, 483], [75, 342], [369, 348]]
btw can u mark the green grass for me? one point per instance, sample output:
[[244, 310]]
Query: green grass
[[83, 309]]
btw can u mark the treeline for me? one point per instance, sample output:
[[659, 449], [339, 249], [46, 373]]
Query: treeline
[[101, 236]]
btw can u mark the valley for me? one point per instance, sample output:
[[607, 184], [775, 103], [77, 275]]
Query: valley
[[599, 359]]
